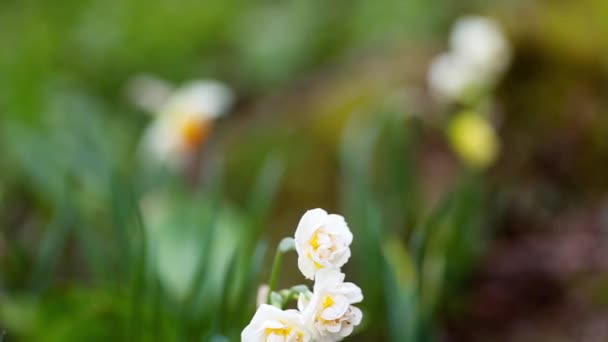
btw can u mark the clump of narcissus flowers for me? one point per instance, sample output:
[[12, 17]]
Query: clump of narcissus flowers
[[326, 314]]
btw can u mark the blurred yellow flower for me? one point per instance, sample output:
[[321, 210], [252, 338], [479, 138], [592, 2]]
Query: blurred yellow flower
[[474, 139]]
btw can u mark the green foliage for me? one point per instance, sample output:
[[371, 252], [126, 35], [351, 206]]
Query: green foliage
[[95, 245], [421, 258], [179, 273]]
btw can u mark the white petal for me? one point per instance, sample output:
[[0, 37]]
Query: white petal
[[337, 309], [341, 257], [479, 40], [310, 221], [310, 313], [306, 266], [327, 279], [336, 225], [356, 315], [209, 99], [274, 338], [346, 330], [252, 333], [160, 143], [450, 75], [333, 326], [148, 92], [273, 324], [268, 316], [266, 312], [302, 302], [351, 291]]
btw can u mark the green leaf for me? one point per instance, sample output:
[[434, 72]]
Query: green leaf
[[401, 284]]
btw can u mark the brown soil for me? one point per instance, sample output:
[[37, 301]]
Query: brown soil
[[544, 284]]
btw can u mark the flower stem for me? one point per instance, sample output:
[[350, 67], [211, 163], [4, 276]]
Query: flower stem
[[286, 245]]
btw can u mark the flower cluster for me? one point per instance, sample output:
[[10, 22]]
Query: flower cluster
[[326, 314], [479, 54]]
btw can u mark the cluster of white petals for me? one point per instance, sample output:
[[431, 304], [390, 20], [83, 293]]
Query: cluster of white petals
[[271, 324], [329, 313], [183, 117], [479, 54], [322, 241]]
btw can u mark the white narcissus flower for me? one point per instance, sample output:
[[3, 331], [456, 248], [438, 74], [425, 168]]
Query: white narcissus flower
[[149, 93], [271, 324], [479, 54], [450, 77], [322, 241], [184, 121], [329, 313], [480, 42]]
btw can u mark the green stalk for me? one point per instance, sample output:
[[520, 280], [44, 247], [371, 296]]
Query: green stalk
[[286, 245]]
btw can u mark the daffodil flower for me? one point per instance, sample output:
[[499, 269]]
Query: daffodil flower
[[329, 313], [322, 241], [271, 324], [184, 117]]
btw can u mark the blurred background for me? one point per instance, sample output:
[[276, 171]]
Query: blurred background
[[477, 194]]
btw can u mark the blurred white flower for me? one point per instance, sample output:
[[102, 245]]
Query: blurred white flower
[[262, 296], [329, 313], [480, 42], [479, 54], [322, 242], [148, 92], [184, 118], [449, 76], [275, 325]]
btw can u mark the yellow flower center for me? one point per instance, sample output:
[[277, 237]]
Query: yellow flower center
[[327, 302], [285, 332], [314, 242], [278, 331], [194, 132], [317, 264]]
